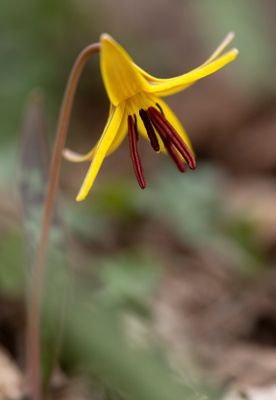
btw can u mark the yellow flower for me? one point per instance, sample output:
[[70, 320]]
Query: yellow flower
[[136, 106]]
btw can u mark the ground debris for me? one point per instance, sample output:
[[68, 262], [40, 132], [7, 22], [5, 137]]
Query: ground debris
[[252, 393], [11, 379]]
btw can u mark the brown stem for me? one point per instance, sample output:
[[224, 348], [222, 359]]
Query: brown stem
[[33, 333]]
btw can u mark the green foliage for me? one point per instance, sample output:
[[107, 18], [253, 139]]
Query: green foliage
[[194, 208], [12, 268], [127, 282], [190, 204], [98, 342], [93, 219], [243, 232], [38, 43]]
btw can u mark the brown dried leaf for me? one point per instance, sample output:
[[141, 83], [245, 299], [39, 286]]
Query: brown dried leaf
[[11, 379]]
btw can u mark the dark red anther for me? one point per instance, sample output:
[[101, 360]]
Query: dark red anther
[[150, 130], [174, 155], [163, 126], [136, 161], [172, 152], [160, 109]]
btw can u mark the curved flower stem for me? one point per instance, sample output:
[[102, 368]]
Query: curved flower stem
[[33, 333]]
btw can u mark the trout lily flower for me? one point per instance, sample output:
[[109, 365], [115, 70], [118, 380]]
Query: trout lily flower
[[136, 108]]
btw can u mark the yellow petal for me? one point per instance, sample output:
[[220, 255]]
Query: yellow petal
[[120, 77], [174, 85], [153, 80], [226, 41], [76, 157], [102, 148], [121, 134]]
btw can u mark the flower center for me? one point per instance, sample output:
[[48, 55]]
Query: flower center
[[155, 123]]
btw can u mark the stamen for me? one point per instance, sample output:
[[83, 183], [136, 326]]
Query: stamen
[[150, 130], [160, 109], [136, 161], [162, 125], [173, 153]]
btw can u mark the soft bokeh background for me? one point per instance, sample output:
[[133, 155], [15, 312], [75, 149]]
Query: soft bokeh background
[[179, 277]]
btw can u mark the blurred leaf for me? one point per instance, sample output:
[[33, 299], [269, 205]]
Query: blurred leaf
[[12, 274], [89, 222], [127, 281], [243, 232], [98, 343], [33, 174], [96, 340], [117, 198], [8, 160], [94, 220], [38, 42], [34, 162], [192, 205]]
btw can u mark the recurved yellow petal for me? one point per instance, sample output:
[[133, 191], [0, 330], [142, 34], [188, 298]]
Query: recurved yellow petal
[[175, 85], [120, 77], [101, 150], [226, 41], [76, 157], [121, 134]]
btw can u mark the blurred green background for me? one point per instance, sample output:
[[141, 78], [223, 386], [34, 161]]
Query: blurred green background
[[153, 286]]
